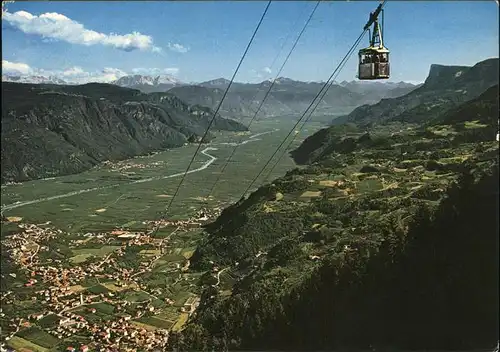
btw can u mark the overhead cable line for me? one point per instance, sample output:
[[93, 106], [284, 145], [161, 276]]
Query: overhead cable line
[[218, 107], [332, 80], [267, 93], [306, 120], [325, 86], [296, 124], [277, 56]]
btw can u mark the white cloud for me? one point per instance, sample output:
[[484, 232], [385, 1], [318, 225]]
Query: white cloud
[[15, 68], [74, 71], [78, 75], [171, 71], [109, 74], [73, 74], [53, 25], [264, 73], [178, 47]]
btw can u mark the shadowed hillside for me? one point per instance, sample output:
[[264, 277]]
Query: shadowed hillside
[[475, 120], [49, 130]]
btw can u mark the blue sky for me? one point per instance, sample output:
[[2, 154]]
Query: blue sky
[[197, 41]]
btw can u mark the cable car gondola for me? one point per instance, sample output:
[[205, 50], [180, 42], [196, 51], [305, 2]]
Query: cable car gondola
[[374, 60]]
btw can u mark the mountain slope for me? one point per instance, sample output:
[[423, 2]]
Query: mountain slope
[[289, 97], [379, 90], [444, 88], [472, 120], [220, 83], [49, 130], [376, 245], [482, 109]]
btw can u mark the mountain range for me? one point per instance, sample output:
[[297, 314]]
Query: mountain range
[[386, 237], [50, 130], [148, 84], [33, 79], [445, 89], [287, 96]]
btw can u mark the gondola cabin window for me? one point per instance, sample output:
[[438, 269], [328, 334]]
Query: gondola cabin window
[[373, 64]]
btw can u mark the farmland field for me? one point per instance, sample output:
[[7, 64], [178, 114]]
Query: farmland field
[[38, 337], [18, 343], [157, 322], [81, 255]]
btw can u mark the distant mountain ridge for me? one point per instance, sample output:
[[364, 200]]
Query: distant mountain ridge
[[148, 84], [288, 97], [33, 79], [215, 83], [51, 130]]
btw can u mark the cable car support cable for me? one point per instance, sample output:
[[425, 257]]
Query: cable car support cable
[[275, 59], [217, 110], [308, 117], [267, 93], [373, 17]]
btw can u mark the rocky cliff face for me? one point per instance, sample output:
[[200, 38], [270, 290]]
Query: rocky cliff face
[[444, 88], [441, 75], [54, 130]]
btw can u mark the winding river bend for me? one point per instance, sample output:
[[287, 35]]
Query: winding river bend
[[205, 165]]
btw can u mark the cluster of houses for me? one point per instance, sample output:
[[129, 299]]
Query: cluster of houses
[[116, 334], [121, 166], [198, 219], [23, 247], [59, 289]]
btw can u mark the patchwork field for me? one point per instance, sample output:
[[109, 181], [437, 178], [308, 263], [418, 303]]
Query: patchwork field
[[38, 337], [20, 344], [157, 322], [81, 255]]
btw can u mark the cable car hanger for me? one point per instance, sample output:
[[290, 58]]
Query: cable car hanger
[[374, 59]]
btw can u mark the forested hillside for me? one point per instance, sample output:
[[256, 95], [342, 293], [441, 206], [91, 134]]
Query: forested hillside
[[50, 130]]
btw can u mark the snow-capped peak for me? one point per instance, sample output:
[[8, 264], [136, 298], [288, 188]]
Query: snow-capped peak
[[166, 79], [135, 80], [33, 79]]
